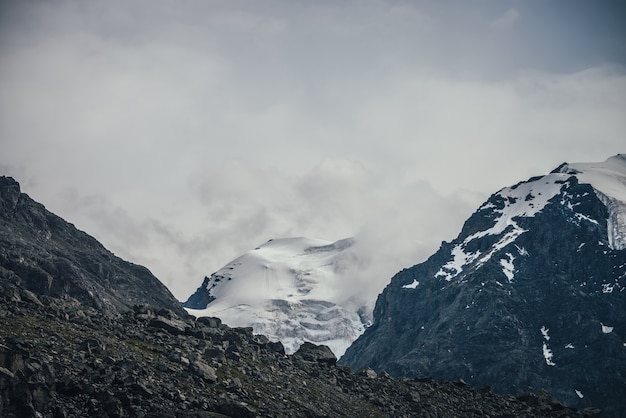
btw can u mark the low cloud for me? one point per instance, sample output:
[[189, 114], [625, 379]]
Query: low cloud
[[184, 135]]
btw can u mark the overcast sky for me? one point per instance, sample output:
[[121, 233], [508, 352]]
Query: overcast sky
[[181, 133]]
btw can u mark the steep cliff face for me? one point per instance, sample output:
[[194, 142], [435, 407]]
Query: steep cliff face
[[529, 295], [44, 254]]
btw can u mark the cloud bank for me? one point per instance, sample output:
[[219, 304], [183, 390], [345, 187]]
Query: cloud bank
[[181, 135]]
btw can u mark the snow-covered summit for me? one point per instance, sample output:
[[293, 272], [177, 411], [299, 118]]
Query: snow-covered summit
[[289, 289], [608, 178], [504, 210]]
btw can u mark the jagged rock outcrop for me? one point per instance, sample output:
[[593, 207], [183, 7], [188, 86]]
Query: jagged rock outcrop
[[531, 294], [201, 297], [41, 252], [60, 358]]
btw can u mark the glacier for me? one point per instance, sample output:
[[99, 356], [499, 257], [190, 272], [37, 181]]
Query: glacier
[[608, 179], [291, 290]]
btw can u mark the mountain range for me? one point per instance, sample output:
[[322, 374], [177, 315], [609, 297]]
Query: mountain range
[[529, 295], [84, 333]]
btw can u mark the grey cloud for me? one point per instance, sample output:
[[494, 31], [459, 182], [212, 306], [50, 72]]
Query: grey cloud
[[189, 133], [507, 20]]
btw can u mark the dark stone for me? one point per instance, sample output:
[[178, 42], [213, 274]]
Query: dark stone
[[210, 321], [276, 346], [173, 326], [44, 255], [93, 346], [236, 409], [316, 353], [201, 298], [142, 390], [6, 373]]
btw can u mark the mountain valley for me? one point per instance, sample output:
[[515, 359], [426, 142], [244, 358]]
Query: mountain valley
[[529, 296]]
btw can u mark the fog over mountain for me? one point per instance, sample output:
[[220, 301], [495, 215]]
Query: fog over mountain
[[182, 134]]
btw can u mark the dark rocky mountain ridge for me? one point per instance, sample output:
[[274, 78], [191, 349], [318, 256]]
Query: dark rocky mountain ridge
[[529, 295], [41, 252], [78, 345]]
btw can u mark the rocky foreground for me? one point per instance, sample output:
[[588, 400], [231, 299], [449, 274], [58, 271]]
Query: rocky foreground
[[59, 358]]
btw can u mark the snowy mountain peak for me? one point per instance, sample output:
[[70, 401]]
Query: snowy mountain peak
[[609, 182], [286, 289], [530, 294], [498, 220]]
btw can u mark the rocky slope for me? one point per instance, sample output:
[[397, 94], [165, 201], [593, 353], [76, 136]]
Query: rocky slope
[[41, 252], [289, 289], [530, 295], [60, 358], [74, 344]]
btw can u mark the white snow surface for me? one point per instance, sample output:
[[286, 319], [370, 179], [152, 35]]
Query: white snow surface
[[507, 267], [287, 290], [544, 332], [547, 355], [608, 178], [606, 329], [411, 285]]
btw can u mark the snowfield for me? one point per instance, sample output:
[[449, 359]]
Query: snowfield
[[290, 290], [609, 181]]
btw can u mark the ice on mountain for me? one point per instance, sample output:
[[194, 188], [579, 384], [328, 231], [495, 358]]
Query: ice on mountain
[[507, 267], [608, 179], [606, 329], [607, 287], [287, 289], [581, 217], [487, 205], [455, 266], [547, 355], [544, 332], [616, 222], [522, 251], [412, 285]]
